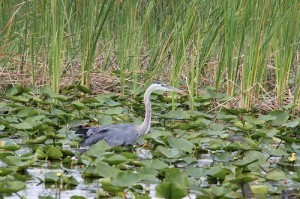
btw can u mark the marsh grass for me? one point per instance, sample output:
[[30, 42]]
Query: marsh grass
[[240, 47]]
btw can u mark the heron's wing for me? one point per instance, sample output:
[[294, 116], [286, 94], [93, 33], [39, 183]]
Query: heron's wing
[[114, 135]]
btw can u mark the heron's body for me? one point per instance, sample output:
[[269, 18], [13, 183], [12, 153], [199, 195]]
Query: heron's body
[[114, 135], [123, 134]]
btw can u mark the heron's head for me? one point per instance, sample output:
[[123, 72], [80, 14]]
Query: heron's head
[[164, 87]]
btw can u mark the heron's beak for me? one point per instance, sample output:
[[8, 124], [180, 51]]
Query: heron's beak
[[175, 89]]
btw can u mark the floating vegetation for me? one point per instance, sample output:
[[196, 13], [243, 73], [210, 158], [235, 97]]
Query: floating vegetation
[[226, 153]]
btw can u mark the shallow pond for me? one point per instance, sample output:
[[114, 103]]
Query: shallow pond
[[228, 153]]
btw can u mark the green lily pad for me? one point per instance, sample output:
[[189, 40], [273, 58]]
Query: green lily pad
[[83, 89], [2, 105], [168, 152], [11, 186], [77, 197], [170, 190], [276, 175], [115, 159], [126, 179], [253, 120], [54, 153], [114, 111], [69, 180], [195, 172], [78, 105], [59, 97], [98, 149], [244, 162], [267, 117], [241, 178], [51, 177], [218, 172], [296, 177], [104, 170], [109, 187], [14, 161], [181, 144], [179, 114], [19, 98], [260, 189], [216, 192], [177, 176], [155, 163], [292, 124], [148, 174], [22, 126], [9, 147], [281, 117], [39, 140]]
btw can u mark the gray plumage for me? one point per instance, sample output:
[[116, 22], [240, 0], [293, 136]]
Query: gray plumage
[[123, 134]]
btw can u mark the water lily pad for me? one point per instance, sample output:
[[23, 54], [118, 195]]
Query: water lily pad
[[267, 117], [181, 144], [275, 175], [148, 174], [168, 152], [78, 105], [37, 140], [83, 89], [54, 153], [240, 179], [22, 126], [69, 180], [18, 98], [296, 177], [115, 159], [15, 161], [9, 146], [98, 149], [105, 120], [2, 105], [216, 192], [114, 111], [195, 172], [218, 172], [109, 187], [177, 176], [155, 163], [11, 186], [244, 162], [281, 117], [78, 197], [170, 190], [104, 170], [11, 90], [104, 99], [126, 179], [51, 177], [292, 124], [179, 114], [253, 120], [59, 97], [260, 189]]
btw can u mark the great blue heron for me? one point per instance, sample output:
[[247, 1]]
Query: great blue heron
[[123, 134]]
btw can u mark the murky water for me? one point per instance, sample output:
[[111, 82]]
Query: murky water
[[36, 188]]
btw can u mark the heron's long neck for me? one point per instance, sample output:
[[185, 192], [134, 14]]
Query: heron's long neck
[[145, 126]]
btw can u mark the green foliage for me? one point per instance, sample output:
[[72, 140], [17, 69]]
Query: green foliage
[[245, 48], [209, 153]]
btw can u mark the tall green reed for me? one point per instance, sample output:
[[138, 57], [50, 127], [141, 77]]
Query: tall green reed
[[95, 15], [176, 40], [285, 43]]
